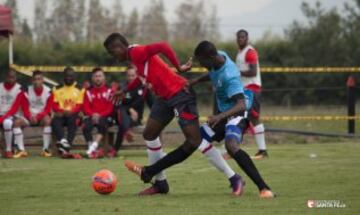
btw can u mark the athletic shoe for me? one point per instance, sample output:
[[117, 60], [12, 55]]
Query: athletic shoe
[[267, 194], [20, 154], [8, 154], [68, 155], [76, 156], [138, 170], [46, 153], [92, 148], [97, 154], [261, 154], [159, 187], [63, 146], [237, 184], [133, 167], [112, 153]]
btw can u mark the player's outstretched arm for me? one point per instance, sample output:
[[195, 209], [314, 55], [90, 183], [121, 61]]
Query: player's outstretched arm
[[201, 78], [165, 49]]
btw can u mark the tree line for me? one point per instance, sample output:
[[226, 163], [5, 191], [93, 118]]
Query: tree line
[[81, 20]]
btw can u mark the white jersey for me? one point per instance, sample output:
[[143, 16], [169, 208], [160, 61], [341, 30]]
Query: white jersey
[[37, 103], [8, 97], [244, 66]]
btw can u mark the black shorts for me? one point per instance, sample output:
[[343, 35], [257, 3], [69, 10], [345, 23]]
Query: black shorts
[[182, 105]]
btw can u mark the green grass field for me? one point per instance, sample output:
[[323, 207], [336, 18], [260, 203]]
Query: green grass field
[[53, 186]]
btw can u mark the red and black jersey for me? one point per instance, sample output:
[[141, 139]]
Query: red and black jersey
[[153, 70]]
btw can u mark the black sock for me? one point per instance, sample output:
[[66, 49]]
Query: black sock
[[246, 164], [174, 157]]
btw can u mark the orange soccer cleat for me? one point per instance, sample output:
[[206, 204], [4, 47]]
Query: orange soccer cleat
[[133, 167], [20, 154], [267, 194]]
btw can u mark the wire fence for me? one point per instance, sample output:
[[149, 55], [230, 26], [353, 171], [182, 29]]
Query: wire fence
[[350, 117]]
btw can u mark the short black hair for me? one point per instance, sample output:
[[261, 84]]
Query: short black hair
[[205, 49], [115, 36], [242, 31], [36, 72], [97, 69], [68, 69], [131, 66]]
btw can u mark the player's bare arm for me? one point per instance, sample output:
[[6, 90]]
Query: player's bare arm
[[201, 78], [238, 108], [251, 72]]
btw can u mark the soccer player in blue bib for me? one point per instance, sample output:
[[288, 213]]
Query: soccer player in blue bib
[[233, 103]]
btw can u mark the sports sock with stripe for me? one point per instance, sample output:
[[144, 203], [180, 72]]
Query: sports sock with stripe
[[155, 153], [215, 158], [260, 136]]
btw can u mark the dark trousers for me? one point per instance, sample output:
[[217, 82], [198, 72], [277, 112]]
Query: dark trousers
[[88, 124], [58, 124], [123, 121]]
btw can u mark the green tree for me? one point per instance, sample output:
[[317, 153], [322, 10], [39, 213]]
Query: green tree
[[98, 23], [132, 26], [62, 22], [351, 32], [212, 25], [26, 30], [316, 41], [118, 17], [40, 21], [190, 23], [154, 26], [15, 14], [79, 20]]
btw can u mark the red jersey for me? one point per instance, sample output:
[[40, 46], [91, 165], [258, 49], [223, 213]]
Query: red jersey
[[97, 100], [153, 70]]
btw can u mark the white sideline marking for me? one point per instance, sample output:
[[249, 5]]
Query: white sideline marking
[[15, 169]]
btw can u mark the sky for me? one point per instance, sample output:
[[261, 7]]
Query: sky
[[256, 16]]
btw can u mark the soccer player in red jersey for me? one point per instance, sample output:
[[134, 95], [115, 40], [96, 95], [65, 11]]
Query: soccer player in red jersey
[[173, 100], [37, 109], [11, 104], [247, 61]]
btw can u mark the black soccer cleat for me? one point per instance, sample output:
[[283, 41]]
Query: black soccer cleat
[[261, 154]]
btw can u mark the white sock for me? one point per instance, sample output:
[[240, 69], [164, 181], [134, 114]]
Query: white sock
[[19, 138], [215, 158], [260, 136], [8, 133], [46, 137], [92, 147], [155, 153]]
